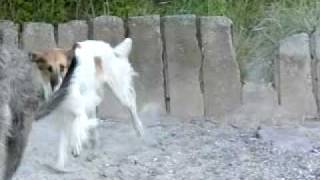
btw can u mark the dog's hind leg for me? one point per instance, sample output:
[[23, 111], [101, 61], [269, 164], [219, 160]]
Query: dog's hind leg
[[136, 121], [127, 96], [131, 104], [94, 138], [93, 132], [17, 140], [5, 121]]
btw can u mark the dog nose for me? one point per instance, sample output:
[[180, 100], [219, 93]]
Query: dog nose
[[54, 81]]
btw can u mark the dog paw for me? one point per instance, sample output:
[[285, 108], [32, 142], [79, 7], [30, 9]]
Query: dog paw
[[76, 149], [75, 152], [140, 130]]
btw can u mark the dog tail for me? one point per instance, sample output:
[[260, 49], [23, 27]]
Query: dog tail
[[60, 94]]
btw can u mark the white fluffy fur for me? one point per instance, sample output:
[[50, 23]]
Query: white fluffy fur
[[76, 114]]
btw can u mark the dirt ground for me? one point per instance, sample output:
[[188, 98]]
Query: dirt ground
[[179, 149]]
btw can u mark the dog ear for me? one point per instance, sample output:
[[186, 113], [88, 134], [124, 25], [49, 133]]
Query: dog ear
[[124, 48], [34, 56], [70, 53]]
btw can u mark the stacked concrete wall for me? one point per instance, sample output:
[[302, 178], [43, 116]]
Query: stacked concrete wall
[[187, 65]]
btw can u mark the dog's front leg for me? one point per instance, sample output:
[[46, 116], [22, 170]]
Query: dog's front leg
[[81, 127], [62, 152], [77, 137], [93, 132]]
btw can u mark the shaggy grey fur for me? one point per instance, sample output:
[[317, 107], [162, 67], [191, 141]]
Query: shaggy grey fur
[[20, 96]]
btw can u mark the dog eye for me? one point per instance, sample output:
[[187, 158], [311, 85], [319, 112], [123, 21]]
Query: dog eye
[[62, 68], [50, 69]]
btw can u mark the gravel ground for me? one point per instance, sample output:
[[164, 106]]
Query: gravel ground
[[181, 149]]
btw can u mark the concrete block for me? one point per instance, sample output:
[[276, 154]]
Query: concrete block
[[9, 33], [147, 61], [109, 29], [184, 61], [295, 77], [37, 36], [71, 32], [221, 73]]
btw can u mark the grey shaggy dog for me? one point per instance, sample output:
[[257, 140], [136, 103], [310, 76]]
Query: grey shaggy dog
[[21, 94]]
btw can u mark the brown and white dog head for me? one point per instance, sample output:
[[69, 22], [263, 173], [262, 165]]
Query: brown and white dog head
[[53, 65]]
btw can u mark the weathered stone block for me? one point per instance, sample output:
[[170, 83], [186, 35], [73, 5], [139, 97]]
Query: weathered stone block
[[111, 30], [295, 77], [37, 36], [315, 66], [71, 32], [184, 61], [259, 105], [9, 33], [147, 61], [221, 74]]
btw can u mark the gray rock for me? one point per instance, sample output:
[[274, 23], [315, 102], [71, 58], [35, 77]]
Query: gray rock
[[9, 33], [221, 74], [37, 36], [295, 89], [111, 30], [71, 32], [184, 62], [147, 61]]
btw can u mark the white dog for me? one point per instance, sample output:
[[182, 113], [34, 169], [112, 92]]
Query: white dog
[[94, 64]]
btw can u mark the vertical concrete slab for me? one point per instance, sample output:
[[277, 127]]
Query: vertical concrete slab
[[184, 61], [37, 36], [9, 33], [259, 105], [221, 73], [109, 29], [295, 77], [315, 66], [71, 32], [147, 61]]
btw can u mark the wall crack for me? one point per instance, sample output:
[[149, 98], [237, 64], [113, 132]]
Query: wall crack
[[165, 67]]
